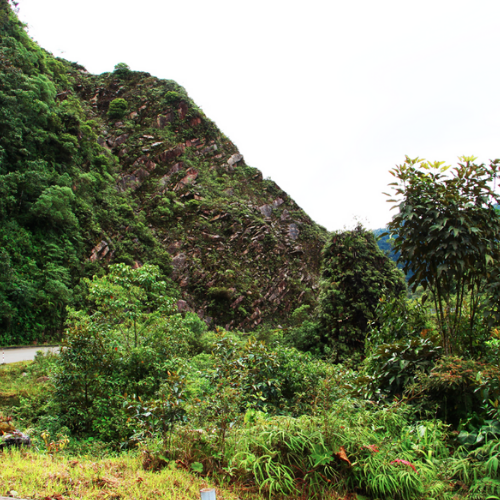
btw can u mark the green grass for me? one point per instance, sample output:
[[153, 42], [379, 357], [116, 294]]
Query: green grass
[[34, 475], [20, 380]]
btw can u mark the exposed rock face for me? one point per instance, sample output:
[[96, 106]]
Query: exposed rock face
[[293, 231], [243, 252], [160, 182], [267, 210], [99, 251]]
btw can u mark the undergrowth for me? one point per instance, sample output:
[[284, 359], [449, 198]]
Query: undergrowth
[[33, 475]]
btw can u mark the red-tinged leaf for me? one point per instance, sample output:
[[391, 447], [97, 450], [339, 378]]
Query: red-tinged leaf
[[404, 462]]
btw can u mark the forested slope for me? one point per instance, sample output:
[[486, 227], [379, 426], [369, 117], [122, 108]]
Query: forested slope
[[147, 179]]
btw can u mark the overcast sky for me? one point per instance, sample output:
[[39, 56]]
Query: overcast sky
[[325, 97]]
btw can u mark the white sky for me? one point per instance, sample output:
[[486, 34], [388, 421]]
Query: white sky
[[323, 96]]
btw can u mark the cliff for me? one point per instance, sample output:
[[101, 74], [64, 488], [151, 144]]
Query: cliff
[[125, 167]]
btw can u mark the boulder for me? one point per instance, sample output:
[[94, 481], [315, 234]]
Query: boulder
[[183, 306], [293, 231], [234, 159], [100, 251], [121, 139], [14, 439], [179, 261], [267, 210], [183, 109], [176, 168], [190, 177], [163, 120]]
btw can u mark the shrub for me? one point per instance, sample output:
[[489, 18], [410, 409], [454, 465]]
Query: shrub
[[172, 98], [397, 318], [126, 341], [400, 345], [460, 387], [117, 108], [220, 293], [393, 367]]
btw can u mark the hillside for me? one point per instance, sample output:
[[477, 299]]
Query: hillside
[[384, 243], [149, 180]]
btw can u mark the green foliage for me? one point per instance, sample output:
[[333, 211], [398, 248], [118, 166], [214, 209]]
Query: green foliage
[[376, 450], [172, 98], [398, 318], [320, 440], [393, 367], [447, 232], [252, 369], [160, 414], [220, 293], [126, 341], [460, 387], [122, 70], [492, 353], [117, 108], [58, 196], [54, 206], [400, 346], [355, 276]]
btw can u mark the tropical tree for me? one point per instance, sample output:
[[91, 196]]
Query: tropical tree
[[447, 231], [355, 276], [122, 70]]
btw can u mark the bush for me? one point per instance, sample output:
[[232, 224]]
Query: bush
[[400, 345], [391, 368], [172, 98], [461, 387], [126, 341], [398, 318], [117, 108]]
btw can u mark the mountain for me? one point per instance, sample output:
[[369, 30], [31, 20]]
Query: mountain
[[125, 167], [384, 243]]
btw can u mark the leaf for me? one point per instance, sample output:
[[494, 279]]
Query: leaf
[[321, 459], [197, 467], [467, 438], [342, 455]]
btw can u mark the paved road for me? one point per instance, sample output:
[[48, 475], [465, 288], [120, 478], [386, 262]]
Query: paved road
[[22, 353]]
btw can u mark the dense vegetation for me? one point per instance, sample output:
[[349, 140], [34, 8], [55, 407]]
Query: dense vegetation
[[123, 167], [57, 192], [130, 223], [134, 374]]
